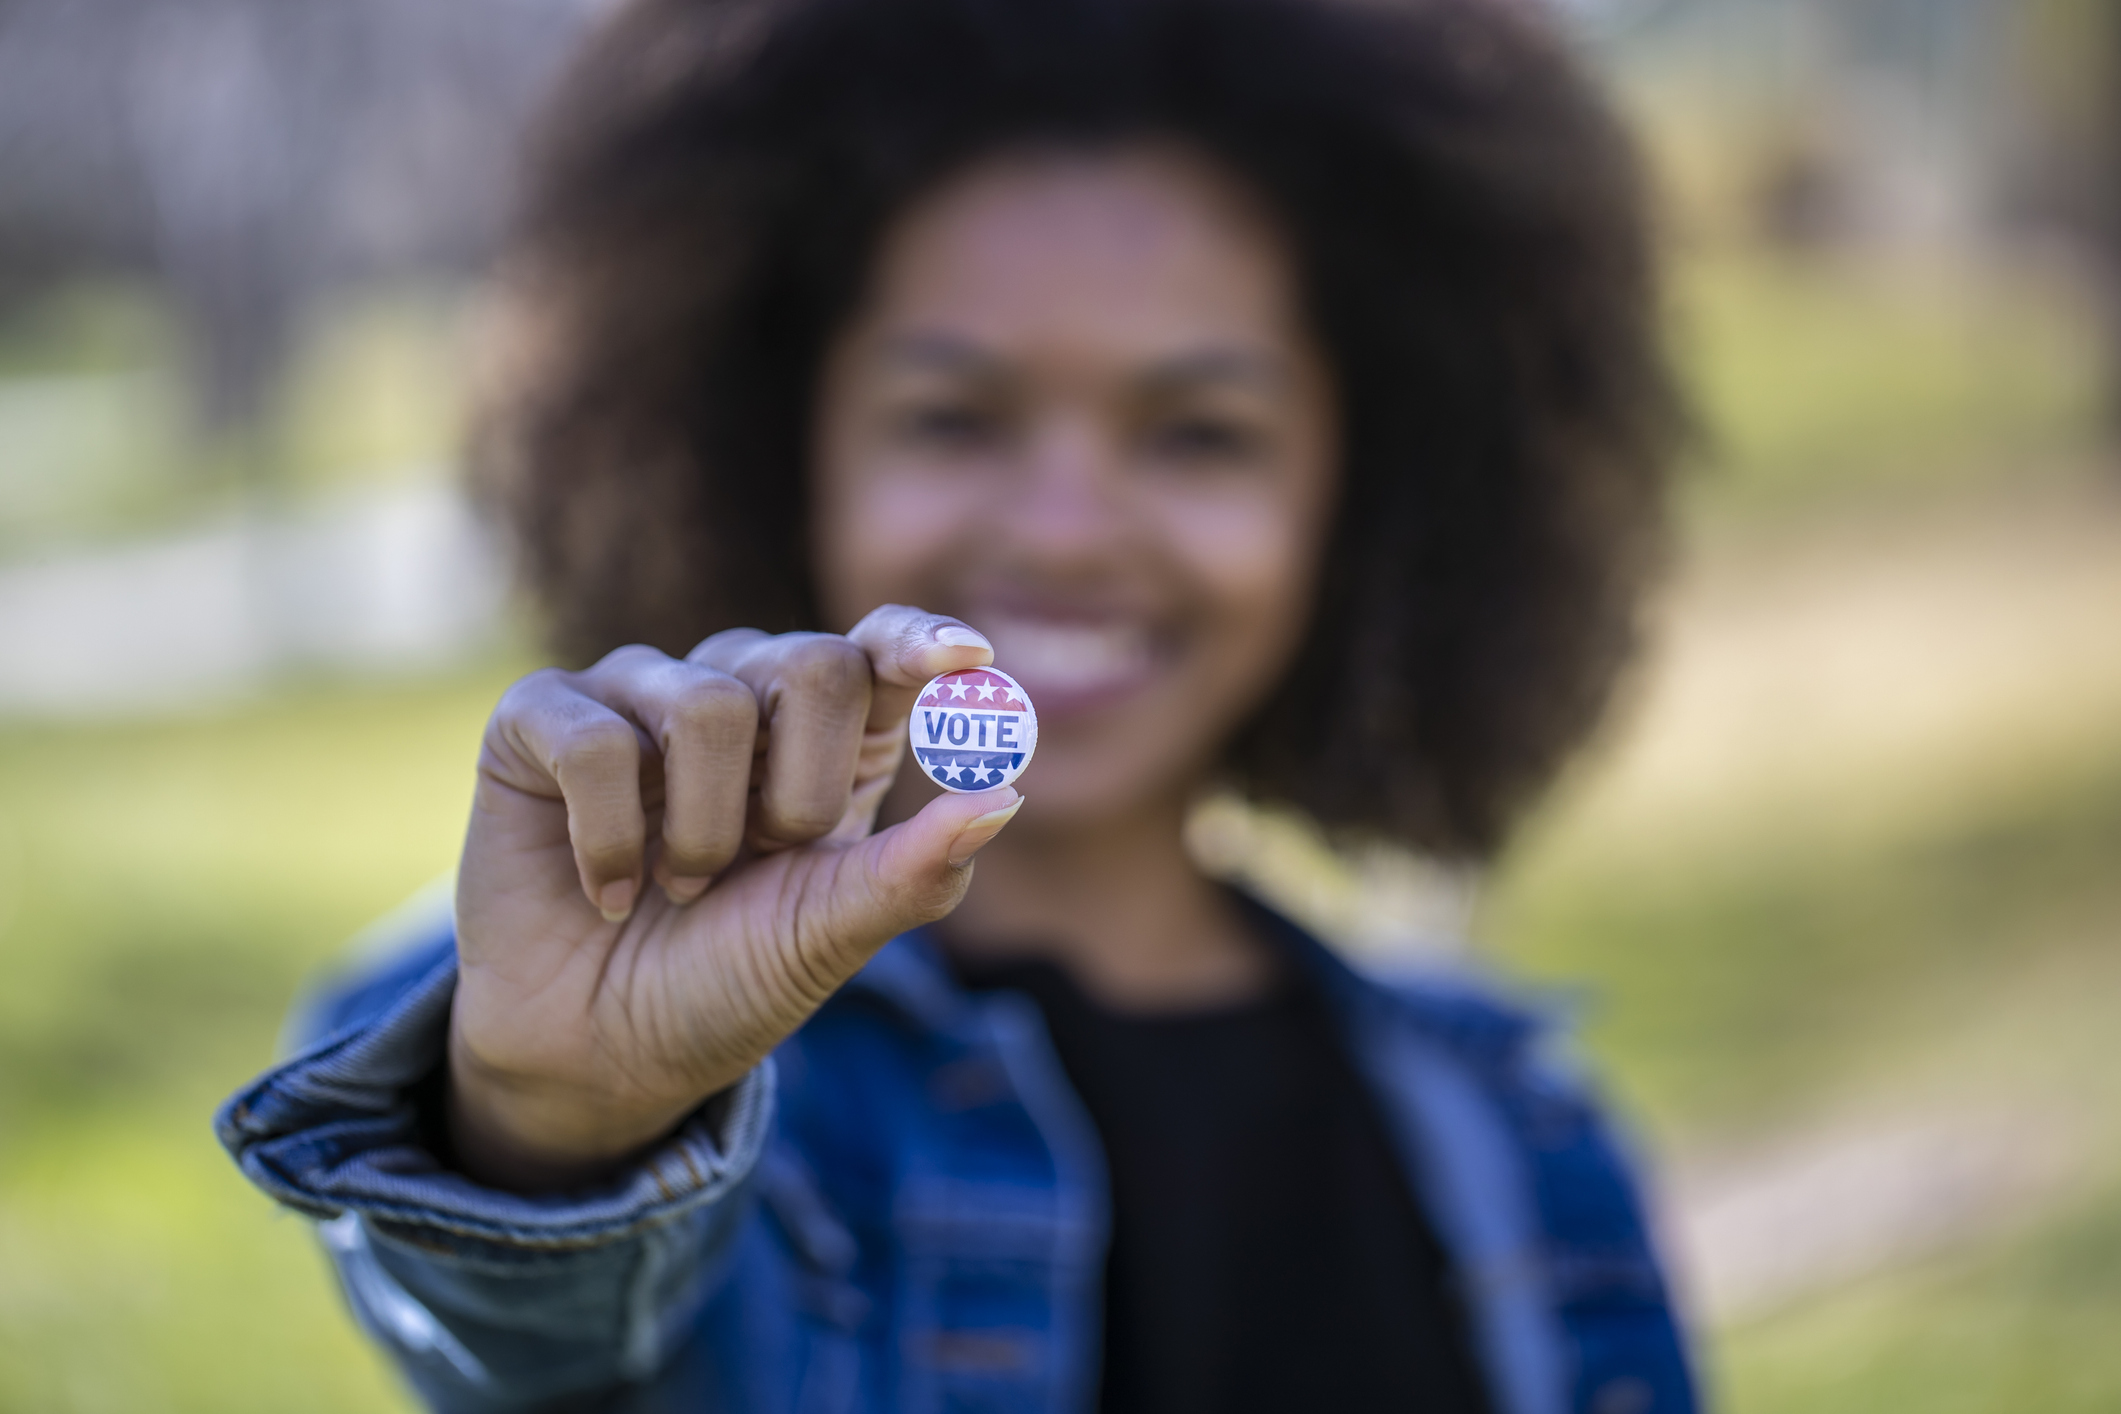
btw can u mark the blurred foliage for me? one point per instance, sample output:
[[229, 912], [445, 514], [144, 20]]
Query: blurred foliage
[[165, 886], [91, 420], [96, 440], [375, 396], [88, 328], [1818, 380]]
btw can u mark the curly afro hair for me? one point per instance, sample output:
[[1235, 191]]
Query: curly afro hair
[[1468, 224]]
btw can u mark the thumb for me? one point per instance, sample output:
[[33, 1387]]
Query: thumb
[[916, 871]]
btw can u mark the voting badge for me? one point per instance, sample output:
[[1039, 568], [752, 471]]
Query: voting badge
[[973, 730]]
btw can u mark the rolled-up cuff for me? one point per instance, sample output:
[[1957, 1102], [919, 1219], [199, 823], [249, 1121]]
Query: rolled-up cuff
[[336, 1129]]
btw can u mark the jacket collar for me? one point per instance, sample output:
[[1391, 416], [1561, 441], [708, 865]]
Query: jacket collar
[[1420, 1043], [915, 980], [911, 976]]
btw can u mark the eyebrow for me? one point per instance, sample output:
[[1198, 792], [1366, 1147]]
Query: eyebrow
[[943, 351], [1207, 365], [1221, 365]]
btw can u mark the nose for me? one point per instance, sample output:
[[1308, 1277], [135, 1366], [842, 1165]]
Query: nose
[[1068, 506]]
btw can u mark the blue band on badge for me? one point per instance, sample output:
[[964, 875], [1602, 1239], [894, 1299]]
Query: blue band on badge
[[973, 730]]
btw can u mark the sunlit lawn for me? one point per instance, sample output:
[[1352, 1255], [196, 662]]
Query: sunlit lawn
[[2021, 1325], [1819, 381], [1972, 958], [162, 891], [164, 887], [1735, 985], [167, 887]]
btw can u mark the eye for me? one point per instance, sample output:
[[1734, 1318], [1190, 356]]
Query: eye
[[950, 425], [1204, 439]]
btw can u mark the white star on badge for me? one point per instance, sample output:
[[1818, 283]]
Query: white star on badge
[[957, 689], [952, 771], [986, 692]]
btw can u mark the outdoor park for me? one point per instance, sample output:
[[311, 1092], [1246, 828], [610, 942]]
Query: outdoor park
[[1835, 903]]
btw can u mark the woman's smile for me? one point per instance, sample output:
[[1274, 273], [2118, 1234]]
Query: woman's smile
[[1076, 663], [1268, 387], [1083, 413]]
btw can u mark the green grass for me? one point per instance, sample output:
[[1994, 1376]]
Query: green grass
[[1747, 979], [2024, 1325], [1731, 984], [168, 885], [1816, 380], [163, 889]]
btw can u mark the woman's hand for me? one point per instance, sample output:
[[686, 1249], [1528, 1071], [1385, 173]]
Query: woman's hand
[[595, 1009]]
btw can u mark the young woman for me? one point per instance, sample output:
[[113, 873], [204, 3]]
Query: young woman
[[1269, 386]]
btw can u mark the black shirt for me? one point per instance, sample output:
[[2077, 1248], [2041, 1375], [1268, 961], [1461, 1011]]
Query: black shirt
[[1267, 1252]]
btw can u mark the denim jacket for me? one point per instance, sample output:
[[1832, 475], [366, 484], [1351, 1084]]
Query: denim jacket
[[905, 1210]]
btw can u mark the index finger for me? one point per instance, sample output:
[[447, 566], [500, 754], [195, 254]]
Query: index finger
[[907, 647]]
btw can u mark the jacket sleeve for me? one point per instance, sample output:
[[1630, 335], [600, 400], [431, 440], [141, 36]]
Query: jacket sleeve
[[490, 1301]]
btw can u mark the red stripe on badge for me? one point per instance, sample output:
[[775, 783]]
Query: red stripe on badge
[[973, 687]]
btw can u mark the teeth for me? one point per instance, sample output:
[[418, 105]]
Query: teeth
[[1068, 657]]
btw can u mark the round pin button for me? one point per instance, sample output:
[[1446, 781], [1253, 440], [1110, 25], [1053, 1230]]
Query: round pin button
[[973, 730]]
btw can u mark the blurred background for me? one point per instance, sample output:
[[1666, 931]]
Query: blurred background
[[1837, 899]]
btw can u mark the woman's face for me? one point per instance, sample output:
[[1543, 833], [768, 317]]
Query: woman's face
[[1081, 412]]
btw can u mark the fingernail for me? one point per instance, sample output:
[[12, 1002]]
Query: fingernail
[[684, 889], [958, 636], [615, 900], [979, 831]]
